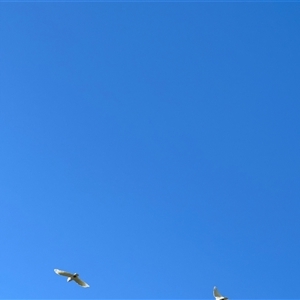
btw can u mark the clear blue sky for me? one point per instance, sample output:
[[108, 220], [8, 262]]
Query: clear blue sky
[[151, 147]]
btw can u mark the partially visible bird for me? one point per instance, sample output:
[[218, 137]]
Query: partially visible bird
[[217, 295], [71, 277]]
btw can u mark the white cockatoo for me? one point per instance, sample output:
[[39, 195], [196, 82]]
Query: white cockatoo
[[71, 277], [217, 295]]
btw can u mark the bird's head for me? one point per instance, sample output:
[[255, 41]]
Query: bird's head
[[75, 275]]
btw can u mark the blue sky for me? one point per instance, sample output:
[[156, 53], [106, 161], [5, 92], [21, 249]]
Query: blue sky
[[151, 147]]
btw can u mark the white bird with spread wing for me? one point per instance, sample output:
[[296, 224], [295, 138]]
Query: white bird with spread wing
[[71, 277], [217, 295]]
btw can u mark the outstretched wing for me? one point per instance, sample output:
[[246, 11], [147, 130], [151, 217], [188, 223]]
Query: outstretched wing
[[63, 273], [216, 293], [80, 282]]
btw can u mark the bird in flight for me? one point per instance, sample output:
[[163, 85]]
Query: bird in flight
[[217, 295], [71, 277]]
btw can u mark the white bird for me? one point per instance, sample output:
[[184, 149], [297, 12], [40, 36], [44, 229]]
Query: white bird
[[217, 295], [71, 277]]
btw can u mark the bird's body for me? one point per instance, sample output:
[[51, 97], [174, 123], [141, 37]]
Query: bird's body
[[217, 295], [71, 277]]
